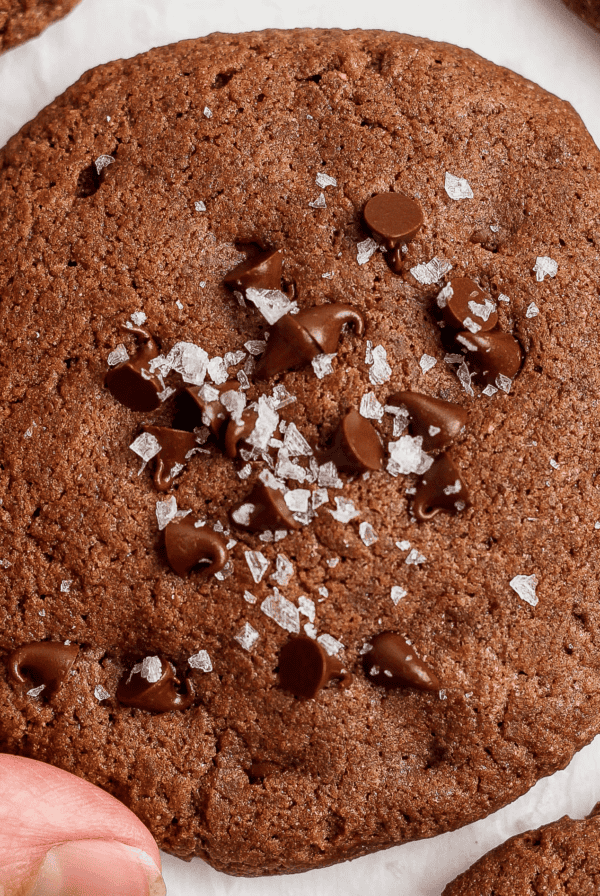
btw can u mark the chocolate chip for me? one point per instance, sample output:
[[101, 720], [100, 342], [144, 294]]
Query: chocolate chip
[[187, 545], [261, 272], [396, 219], [492, 354], [393, 662], [356, 446], [239, 432], [193, 409], [298, 338], [468, 307], [155, 696], [305, 667], [175, 444], [438, 422], [440, 489], [264, 508], [131, 382], [45, 662]]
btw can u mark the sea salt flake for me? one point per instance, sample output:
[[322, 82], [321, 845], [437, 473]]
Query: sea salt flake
[[207, 112], [407, 456], [282, 611], [367, 533], [415, 558], [319, 202], [166, 511], [525, 587], [272, 303], [201, 661], [457, 187], [380, 371], [330, 645], [233, 358], [242, 377], [532, 310], [255, 346], [150, 669], [322, 365], [370, 408], [489, 390], [325, 180], [332, 562], [35, 692], [118, 356], [319, 497], [369, 352], [597, 525], [470, 346], [471, 326], [345, 510], [101, 693], [249, 597], [146, 446], [295, 442], [503, 382], [328, 476], [179, 305], [310, 630], [281, 398], [323, 591], [444, 296], [245, 471], [464, 378], [217, 370], [545, 267], [278, 534], [427, 362], [200, 207], [139, 318], [185, 358], [257, 563], [103, 162], [166, 393], [397, 594], [365, 250], [297, 500], [403, 545], [454, 359], [401, 418], [265, 425], [234, 402], [328, 275], [483, 311], [284, 570], [307, 607], [554, 464], [42, 613], [434, 431], [432, 272], [65, 585], [287, 469], [267, 478], [247, 636]]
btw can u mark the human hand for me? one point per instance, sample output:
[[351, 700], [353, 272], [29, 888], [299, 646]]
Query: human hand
[[60, 836]]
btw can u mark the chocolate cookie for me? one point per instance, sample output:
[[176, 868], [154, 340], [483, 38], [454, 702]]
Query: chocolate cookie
[[20, 20], [562, 857], [299, 441], [588, 10]]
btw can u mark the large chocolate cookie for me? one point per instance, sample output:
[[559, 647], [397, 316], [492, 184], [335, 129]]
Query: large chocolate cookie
[[562, 857], [288, 733], [588, 10], [22, 19]]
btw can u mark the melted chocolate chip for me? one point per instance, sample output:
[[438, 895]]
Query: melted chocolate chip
[[298, 338], [438, 422], [305, 668], [187, 546], [155, 696], [396, 219], [469, 307], [394, 663], [440, 489], [356, 446], [193, 410], [175, 444], [261, 272], [239, 432], [45, 662], [595, 811], [492, 354], [131, 382], [263, 509]]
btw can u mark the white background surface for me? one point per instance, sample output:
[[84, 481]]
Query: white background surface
[[540, 39]]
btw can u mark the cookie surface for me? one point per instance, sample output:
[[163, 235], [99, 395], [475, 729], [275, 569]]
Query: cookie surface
[[21, 21], [588, 10], [562, 857], [219, 148]]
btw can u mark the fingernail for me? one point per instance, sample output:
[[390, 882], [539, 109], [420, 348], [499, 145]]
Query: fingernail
[[96, 868]]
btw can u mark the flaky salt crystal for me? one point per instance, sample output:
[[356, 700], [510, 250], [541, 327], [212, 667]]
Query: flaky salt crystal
[[257, 563], [482, 310], [407, 456], [249, 597], [103, 162], [328, 476], [185, 358], [319, 202], [457, 187], [415, 558], [328, 275], [503, 298], [345, 510], [247, 636], [150, 669], [471, 326], [370, 408], [207, 112], [201, 661], [325, 180], [403, 545], [432, 272], [255, 346], [297, 500], [464, 378], [65, 585], [545, 267], [265, 425], [310, 630], [281, 398], [320, 496], [330, 645], [322, 365], [365, 250], [282, 611], [427, 362], [200, 207], [453, 489], [525, 587], [369, 352], [503, 382], [146, 446], [380, 371], [139, 318], [367, 533], [217, 370], [532, 310], [118, 356], [397, 594], [272, 303], [295, 442], [284, 570], [35, 692], [166, 511], [307, 607], [101, 693], [323, 591], [233, 358], [245, 471], [489, 390], [234, 402], [287, 469]]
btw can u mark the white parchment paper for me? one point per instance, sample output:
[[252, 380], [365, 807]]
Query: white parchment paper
[[540, 39]]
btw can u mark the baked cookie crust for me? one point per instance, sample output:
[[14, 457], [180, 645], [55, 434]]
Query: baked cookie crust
[[20, 21]]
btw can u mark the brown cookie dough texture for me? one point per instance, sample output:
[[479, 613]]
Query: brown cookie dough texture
[[562, 857], [220, 146], [588, 10], [21, 20]]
